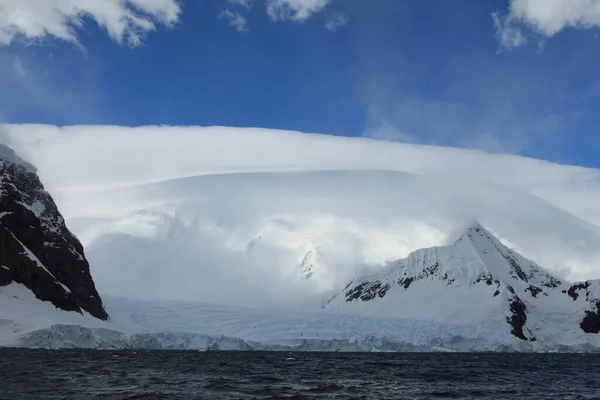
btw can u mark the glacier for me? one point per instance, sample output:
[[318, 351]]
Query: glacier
[[261, 330]]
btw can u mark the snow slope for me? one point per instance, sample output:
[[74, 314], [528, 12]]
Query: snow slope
[[21, 312]]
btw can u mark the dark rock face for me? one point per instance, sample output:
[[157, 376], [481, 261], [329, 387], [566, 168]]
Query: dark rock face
[[518, 318], [36, 248], [534, 290], [405, 282], [367, 291], [591, 321], [575, 288]]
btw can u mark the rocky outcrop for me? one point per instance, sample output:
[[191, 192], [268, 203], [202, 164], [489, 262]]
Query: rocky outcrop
[[587, 292], [36, 248], [591, 322]]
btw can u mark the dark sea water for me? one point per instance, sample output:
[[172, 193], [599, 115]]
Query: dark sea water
[[65, 374]]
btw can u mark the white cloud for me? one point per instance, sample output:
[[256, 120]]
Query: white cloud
[[235, 19], [337, 21], [508, 33], [545, 17], [281, 10], [359, 202], [295, 10], [126, 21]]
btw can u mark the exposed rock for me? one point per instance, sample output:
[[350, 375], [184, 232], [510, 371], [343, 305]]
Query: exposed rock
[[534, 290], [518, 318], [575, 288], [36, 248], [591, 321], [405, 282], [367, 291]]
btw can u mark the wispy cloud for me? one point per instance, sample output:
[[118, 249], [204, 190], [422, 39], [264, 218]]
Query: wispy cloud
[[280, 10], [126, 21], [18, 69], [545, 18], [235, 19], [497, 127], [508, 32], [337, 21], [37, 82], [295, 10], [477, 100], [247, 4]]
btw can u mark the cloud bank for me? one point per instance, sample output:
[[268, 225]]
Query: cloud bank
[[109, 156], [212, 213], [125, 21], [545, 18]]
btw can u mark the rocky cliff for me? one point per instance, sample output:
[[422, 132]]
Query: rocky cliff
[[36, 248]]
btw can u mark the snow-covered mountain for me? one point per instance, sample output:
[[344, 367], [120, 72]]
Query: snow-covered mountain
[[36, 248], [476, 279], [474, 295], [195, 249]]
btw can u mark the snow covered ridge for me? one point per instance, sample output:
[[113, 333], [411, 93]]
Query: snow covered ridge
[[36, 248], [478, 280]]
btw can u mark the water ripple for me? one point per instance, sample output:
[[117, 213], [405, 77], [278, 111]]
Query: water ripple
[[80, 374]]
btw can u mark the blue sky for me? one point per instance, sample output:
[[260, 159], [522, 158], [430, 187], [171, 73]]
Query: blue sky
[[433, 72]]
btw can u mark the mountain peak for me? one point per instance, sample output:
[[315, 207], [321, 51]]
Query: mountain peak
[[476, 227], [473, 229], [477, 266], [480, 238], [504, 263]]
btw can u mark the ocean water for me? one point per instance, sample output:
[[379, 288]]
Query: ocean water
[[77, 374]]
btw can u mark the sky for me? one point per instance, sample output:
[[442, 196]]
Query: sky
[[517, 76]]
